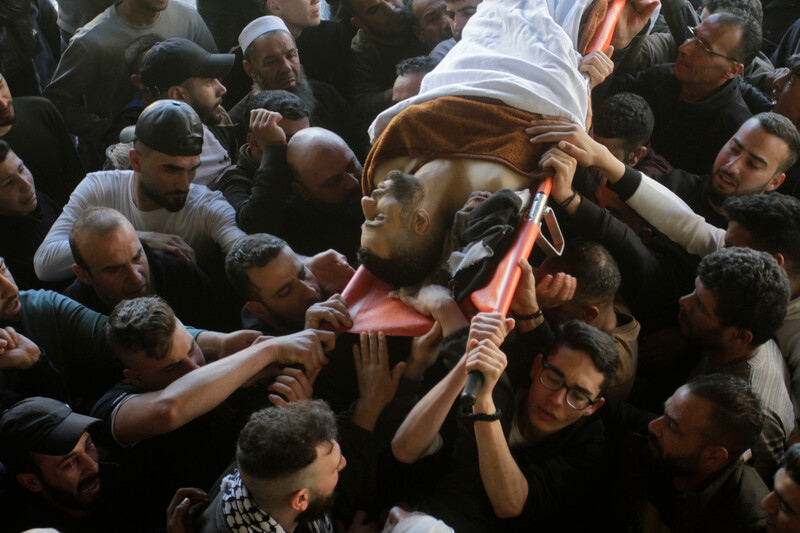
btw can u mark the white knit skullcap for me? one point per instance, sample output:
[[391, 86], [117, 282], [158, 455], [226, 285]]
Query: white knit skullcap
[[259, 27]]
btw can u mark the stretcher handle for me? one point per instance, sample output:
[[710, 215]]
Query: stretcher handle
[[605, 30]]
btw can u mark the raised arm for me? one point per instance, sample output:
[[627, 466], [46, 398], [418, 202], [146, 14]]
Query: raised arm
[[194, 394]]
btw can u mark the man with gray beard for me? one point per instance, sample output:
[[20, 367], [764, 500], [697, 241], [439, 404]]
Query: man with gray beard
[[272, 61]]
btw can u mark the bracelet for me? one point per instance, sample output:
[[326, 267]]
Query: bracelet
[[532, 316], [565, 203], [483, 417]]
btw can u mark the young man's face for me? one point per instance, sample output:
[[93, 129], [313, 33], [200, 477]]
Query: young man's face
[[548, 410], [10, 306], [787, 97], [383, 18], [298, 14], [459, 12], [6, 107], [677, 439], [698, 319], [748, 164], [17, 191], [165, 179], [205, 97], [153, 375], [286, 289], [117, 265], [70, 481], [326, 468], [431, 24], [782, 505]]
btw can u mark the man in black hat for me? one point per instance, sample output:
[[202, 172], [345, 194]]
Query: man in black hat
[[167, 210], [49, 450], [181, 70]]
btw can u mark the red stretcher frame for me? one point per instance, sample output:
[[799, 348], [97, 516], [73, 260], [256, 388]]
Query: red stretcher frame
[[367, 297]]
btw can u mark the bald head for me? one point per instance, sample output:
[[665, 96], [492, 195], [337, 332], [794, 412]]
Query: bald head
[[93, 223], [324, 168]]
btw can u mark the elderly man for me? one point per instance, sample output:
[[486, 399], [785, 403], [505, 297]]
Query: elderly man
[[157, 196], [272, 61]]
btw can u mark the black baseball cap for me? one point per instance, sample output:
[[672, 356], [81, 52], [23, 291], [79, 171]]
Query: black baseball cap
[[169, 127], [40, 425], [175, 60]]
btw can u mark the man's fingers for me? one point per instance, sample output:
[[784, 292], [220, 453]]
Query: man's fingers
[[277, 400], [327, 339]]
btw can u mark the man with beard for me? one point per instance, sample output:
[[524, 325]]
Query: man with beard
[[694, 478], [429, 21], [287, 468], [157, 196], [49, 450], [181, 70], [782, 505], [459, 12], [272, 61], [29, 123]]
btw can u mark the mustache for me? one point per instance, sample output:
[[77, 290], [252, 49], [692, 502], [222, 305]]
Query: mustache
[[82, 484]]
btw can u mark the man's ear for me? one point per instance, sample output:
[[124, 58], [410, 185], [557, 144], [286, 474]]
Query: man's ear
[[780, 259], [735, 69], [591, 410], [274, 7], [136, 80], [31, 482], [133, 377], [636, 156], [299, 500], [136, 159], [536, 366], [82, 274], [355, 21], [743, 336], [421, 222], [258, 310], [714, 457], [775, 182], [176, 92], [589, 313], [249, 69]]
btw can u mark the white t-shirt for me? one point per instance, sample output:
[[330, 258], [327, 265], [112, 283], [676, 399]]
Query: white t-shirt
[[205, 222]]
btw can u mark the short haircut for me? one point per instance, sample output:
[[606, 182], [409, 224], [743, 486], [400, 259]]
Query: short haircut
[[592, 266], [145, 324], [794, 64], [743, 8], [5, 149], [135, 51], [99, 220], [750, 289], [774, 221], [278, 442], [416, 65], [737, 417], [597, 344], [784, 129], [791, 463], [251, 251], [287, 104], [625, 116], [750, 43]]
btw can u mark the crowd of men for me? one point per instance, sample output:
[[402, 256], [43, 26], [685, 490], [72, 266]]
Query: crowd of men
[[182, 204]]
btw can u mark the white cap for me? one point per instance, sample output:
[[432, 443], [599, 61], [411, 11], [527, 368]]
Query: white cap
[[259, 27], [418, 523]]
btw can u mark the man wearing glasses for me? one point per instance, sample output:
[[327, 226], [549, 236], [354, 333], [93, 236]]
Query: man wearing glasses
[[521, 457], [696, 101]]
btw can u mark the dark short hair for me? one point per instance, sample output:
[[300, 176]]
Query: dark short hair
[[743, 8], [750, 289], [248, 252], [416, 65], [5, 148], [625, 116], [791, 463], [145, 324], [134, 52], [592, 266], [737, 418], [597, 344], [774, 221], [782, 128], [278, 442], [794, 64], [750, 43], [287, 104]]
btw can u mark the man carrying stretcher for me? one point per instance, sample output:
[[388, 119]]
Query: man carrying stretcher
[[465, 131]]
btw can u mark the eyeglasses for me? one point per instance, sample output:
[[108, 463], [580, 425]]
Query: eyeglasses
[[700, 45], [552, 379]]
